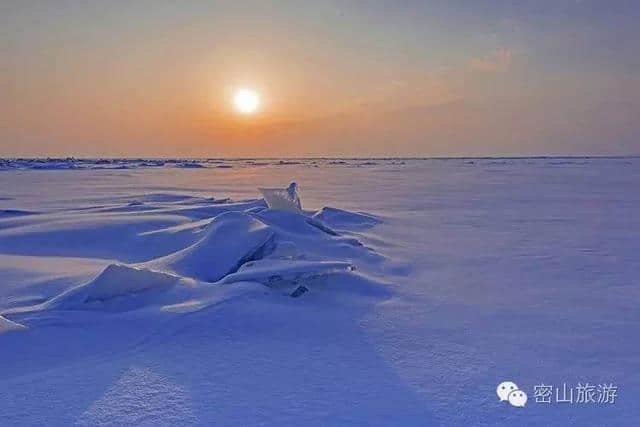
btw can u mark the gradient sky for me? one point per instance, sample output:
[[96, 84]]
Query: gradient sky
[[337, 78]]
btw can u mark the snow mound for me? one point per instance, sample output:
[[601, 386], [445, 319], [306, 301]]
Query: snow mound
[[341, 219], [7, 325], [204, 246], [116, 280], [285, 249], [294, 223], [309, 232], [285, 199], [202, 297], [231, 239]]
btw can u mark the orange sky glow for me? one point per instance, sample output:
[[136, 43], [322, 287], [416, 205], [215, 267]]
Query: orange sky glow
[[333, 80]]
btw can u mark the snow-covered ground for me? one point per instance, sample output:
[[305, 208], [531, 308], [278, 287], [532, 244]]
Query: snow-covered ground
[[155, 292]]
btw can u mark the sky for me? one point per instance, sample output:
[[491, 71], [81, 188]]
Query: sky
[[335, 78]]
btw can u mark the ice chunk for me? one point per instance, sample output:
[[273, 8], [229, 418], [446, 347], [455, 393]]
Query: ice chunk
[[300, 290], [273, 272], [285, 199]]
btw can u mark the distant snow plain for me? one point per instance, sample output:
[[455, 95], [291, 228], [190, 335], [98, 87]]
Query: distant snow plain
[[158, 292]]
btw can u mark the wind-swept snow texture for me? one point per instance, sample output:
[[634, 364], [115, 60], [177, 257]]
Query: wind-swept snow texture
[[388, 292]]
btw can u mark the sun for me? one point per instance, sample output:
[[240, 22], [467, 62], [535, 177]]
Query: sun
[[246, 101]]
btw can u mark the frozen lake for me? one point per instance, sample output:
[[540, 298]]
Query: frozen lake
[[469, 272]]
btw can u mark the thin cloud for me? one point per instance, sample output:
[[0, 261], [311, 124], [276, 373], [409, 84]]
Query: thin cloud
[[498, 61]]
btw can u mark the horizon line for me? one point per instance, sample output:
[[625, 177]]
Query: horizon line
[[533, 156]]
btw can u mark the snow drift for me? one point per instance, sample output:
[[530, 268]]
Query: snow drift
[[115, 281], [231, 239], [341, 219], [242, 248], [7, 325]]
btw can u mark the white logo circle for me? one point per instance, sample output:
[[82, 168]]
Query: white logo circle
[[504, 388], [518, 398], [509, 391]]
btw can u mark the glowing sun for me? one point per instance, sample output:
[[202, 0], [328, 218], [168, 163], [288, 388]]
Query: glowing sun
[[246, 101]]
